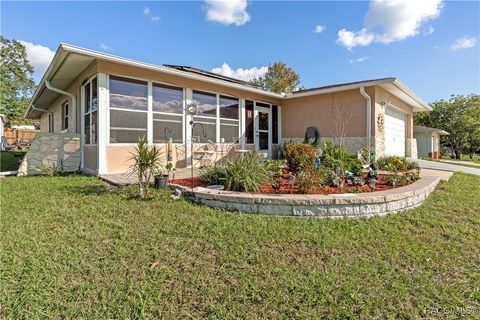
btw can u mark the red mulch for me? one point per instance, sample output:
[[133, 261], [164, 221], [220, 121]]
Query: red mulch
[[284, 189]]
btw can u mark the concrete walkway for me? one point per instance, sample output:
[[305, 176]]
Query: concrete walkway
[[123, 179], [425, 164]]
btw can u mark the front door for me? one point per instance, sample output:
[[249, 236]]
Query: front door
[[263, 131]]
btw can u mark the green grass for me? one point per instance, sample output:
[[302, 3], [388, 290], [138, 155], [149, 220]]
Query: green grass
[[73, 248], [475, 159], [9, 160]]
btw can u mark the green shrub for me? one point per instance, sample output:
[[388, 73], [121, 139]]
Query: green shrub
[[300, 157], [396, 180], [214, 175], [336, 157], [310, 180], [395, 163], [275, 167], [356, 168], [365, 155], [246, 173]]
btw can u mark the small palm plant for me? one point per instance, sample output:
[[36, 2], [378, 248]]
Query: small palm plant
[[146, 163]]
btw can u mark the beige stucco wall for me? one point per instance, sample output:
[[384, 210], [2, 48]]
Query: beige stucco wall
[[119, 157], [56, 106], [316, 111]]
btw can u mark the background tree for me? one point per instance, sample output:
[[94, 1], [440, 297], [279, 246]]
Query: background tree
[[279, 78], [459, 116], [17, 85]]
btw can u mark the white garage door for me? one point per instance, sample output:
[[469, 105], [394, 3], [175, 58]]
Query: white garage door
[[394, 132]]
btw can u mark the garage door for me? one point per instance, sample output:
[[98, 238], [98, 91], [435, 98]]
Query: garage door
[[394, 132]]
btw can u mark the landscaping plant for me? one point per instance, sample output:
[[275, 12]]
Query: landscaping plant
[[310, 180], [49, 169], [246, 173], [214, 175], [146, 163], [300, 157], [395, 163]]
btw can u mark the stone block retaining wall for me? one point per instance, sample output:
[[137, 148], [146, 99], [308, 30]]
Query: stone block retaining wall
[[327, 206]]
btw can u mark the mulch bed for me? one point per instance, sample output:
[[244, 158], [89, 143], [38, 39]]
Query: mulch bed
[[284, 188]]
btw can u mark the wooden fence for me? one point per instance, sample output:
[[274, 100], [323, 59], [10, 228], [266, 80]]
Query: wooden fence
[[14, 135]]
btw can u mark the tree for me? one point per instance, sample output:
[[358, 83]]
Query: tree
[[279, 78], [17, 84], [460, 117]]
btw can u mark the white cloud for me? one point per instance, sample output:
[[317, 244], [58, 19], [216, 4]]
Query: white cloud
[[148, 13], [464, 43], [227, 11], [240, 73], [361, 59], [104, 46], [387, 21], [429, 30], [351, 39], [319, 29], [39, 57]]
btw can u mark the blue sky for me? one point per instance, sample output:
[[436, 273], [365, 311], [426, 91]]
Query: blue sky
[[432, 46]]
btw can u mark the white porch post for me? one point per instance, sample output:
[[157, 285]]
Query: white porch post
[[102, 123], [150, 114], [279, 124], [188, 127], [217, 125], [242, 124], [82, 126]]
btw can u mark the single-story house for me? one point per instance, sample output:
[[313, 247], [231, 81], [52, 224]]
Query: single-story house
[[110, 102], [428, 141]]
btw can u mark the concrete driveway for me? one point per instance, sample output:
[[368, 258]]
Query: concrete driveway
[[425, 164]]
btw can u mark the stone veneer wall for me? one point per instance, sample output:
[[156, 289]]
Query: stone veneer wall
[[62, 149], [331, 206]]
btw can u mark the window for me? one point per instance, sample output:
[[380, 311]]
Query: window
[[249, 121], [206, 115], [206, 103], [274, 124], [128, 109], [90, 111], [50, 122], [229, 118], [65, 116], [167, 113]]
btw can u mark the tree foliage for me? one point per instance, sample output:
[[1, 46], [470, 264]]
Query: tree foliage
[[17, 85], [460, 117], [279, 78]]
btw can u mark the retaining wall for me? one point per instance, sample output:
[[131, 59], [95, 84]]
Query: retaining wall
[[351, 205]]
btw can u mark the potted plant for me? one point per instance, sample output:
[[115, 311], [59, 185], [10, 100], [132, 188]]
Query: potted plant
[[161, 180]]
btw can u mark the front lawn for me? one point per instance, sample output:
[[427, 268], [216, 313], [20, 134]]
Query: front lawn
[[71, 247]]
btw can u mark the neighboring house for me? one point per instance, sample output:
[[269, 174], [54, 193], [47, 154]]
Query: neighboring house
[[428, 141], [112, 101]]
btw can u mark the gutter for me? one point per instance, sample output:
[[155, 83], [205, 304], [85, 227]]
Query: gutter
[[369, 117], [43, 110], [74, 103]]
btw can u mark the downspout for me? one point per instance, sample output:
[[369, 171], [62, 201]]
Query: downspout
[[369, 117], [43, 110], [74, 103]]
